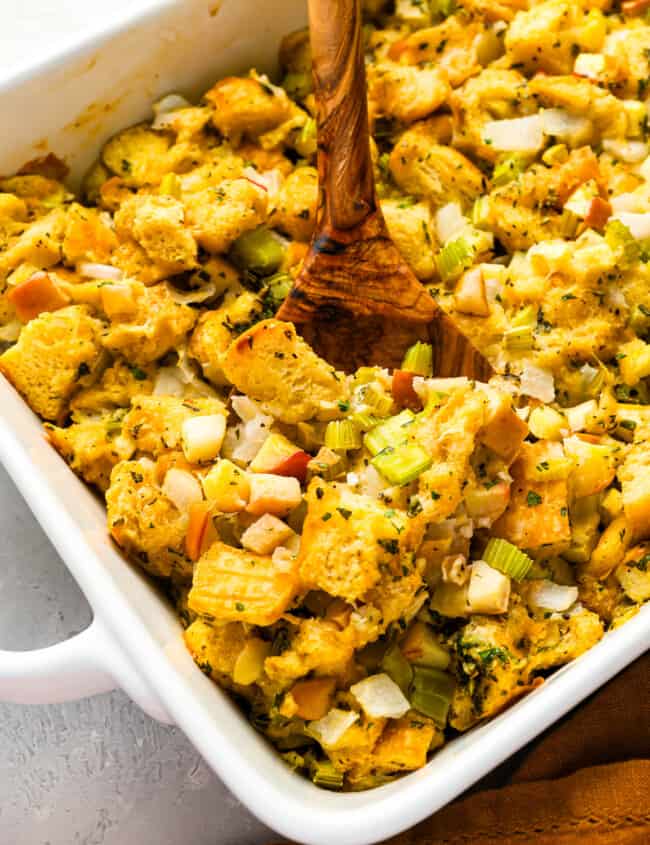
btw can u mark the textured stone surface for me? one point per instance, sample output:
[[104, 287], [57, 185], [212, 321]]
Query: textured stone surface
[[96, 772]]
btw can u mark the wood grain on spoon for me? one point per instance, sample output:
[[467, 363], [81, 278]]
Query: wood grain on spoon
[[356, 300]]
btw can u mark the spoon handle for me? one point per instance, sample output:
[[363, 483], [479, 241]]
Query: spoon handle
[[344, 161]]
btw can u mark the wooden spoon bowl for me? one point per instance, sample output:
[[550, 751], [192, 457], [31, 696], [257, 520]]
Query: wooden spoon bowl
[[355, 299]]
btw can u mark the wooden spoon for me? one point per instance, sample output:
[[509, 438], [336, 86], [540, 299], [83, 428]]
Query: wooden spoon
[[355, 299]]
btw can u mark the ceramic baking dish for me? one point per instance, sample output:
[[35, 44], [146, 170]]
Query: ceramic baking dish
[[70, 104]]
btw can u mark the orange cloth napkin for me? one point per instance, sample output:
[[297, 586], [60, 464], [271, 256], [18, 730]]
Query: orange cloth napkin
[[586, 781]]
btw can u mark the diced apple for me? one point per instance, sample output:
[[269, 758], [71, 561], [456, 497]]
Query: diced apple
[[37, 294], [489, 589], [202, 437], [266, 534], [274, 494], [598, 213], [312, 699], [421, 647], [547, 424], [227, 487], [403, 392], [200, 530], [504, 431], [118, 301], [182, 488], [470, 295], [249, 665], [278, 455]]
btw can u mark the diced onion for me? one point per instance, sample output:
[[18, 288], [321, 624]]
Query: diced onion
[[329, 730], [579, 416], [631, 152], [550, 596], [192, 297], [519, 134], [269, 180], [562, 124], [182, 488], [638, 224], [380, 697], [169, 382], [105, 272], [449, 221], [489, 589], [628, 202], [590, 65], [165, 107], [244, 441], [537, 383], [202, 437]]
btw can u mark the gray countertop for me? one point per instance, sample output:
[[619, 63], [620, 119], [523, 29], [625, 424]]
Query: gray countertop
[[99, 771]]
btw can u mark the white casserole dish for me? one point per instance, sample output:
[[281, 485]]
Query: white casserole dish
[[70, 104]]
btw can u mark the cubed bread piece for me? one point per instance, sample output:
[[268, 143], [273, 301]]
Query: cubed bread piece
[[216, 330], [158, 325], [404, 92], [145, 523], [215, 648], [634, 573], [87, 236], [294, 209], [139, 156], [39, 244], [634, 475], [157, 224], [537, 514], [55, 354], [411, 227], [266, 534], [92, 447], [247, 105], [118, 385], [405, 744], [155, 422], [350, 541], [218, 216], [272, 364], [504, 431], [424, 168], [238, 585]]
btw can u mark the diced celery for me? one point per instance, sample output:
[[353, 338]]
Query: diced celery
[[392, 432], [397, 667], [402, 464], [421, 647], [375, 398], [481, 211], [342, 434], [431, 693], [325, 775], [454, 257], [507, 170], [520, 335], [622, 242], [297, 84], [260, 252], [365, 421], [557, 154], [502, 555], [278, 287], [419, 359], [327, 465], [170, 185]]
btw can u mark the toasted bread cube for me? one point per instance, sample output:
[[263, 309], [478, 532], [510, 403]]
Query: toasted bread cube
[[634, 573], [413, 232], [116, 388], [218, 216], [39, 244], [634, 476], [227, 487], [92, 448], [594, 464], [87, 236], [275, 494], [245, 104], [156, 422], [139, 156], [266, 534], [538, 512], [216, 648], [202, 437], [295, 204], [350, 540], [405, 92], [237, 585], [272, 364], [55, 353], [145, 523], [634, 361], [405, 743], [157, 223], [158, 325], [36, 294]]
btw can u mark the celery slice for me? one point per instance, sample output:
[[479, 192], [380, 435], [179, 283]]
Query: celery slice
[[392, 432], [520, 335], [260, 252], [622, 242], [431, 693], [419, 359], [365, 421], [402, 464], [342, 434], [278, 287], [324, 774], [397, 667], [508, 169], [454, 257], [374, 398], [502, 555]]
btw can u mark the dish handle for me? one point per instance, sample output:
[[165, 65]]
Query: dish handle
[[89, 663]]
